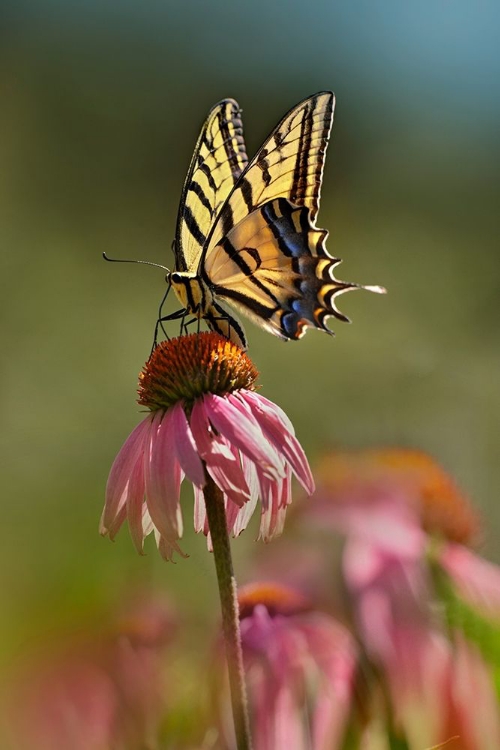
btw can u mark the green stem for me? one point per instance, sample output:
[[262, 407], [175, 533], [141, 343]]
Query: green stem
[[216, 515]]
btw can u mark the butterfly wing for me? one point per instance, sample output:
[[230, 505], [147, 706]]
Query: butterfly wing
[[218, 160], [273, 267], [265, 255], [288, 165]]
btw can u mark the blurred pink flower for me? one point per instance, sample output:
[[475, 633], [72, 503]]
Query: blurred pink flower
[[433, 677], [204, 417], [105, 691], [300, 667], [441, 507]]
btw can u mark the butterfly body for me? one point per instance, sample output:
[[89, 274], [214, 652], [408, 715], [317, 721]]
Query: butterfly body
[[246, 236], [190, 290]]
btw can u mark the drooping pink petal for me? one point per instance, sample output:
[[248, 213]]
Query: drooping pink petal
[[244, 432], [246, 511], [286, 489], [244, 515], [251, 477], [118, 519], [135, 506], [232, 511], [121, 470], [417, 682], [222, 464], [280, 433], [474, 699], [335, 654], [477, 580], [271, 519], [167, 547], [147, 523], [185, 446], [200, 512], [163, 478], [226, 471]]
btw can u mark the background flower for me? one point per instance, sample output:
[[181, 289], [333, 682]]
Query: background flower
[[423, 606], [300, 667], [103, 689]]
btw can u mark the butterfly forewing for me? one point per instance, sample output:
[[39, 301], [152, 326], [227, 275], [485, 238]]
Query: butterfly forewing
[[289, 165], [218, 160]]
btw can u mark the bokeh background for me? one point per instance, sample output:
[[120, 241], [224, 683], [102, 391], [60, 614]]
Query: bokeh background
[[101, 103]]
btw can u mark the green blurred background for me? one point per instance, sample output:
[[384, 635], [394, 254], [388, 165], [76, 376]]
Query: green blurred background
[[101, 104]]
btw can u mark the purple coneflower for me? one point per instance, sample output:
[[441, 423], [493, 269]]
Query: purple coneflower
[[205, 422], [301, 669], [406, 523]]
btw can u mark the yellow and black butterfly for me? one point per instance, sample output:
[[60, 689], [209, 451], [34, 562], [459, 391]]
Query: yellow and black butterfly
[[246, 232]]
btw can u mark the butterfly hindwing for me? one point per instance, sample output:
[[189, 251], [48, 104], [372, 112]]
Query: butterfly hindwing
[[274, 268], [218, 160]]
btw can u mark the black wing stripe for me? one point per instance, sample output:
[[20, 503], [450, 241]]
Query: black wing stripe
[[192, 225], [246, 191], [208, 174], [271, 217], [256, 307], [263, 164], [196, 188], [227, 219], [228, 146], [231, 252], [299, 187]]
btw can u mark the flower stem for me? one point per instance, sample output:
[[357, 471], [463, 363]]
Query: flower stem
[[216, 515]]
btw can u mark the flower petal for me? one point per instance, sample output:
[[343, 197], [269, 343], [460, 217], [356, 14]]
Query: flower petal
[[273, 516], [200, 513], [222, 464], [241, 429], [167, 548], [279, 431], [121, 471], [135, 505], [185, 446], [244, 515], [477, 580], [163, 478]]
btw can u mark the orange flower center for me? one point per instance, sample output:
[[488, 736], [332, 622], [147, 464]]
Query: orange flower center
[[443, 509], [277, 599], [185, 368]]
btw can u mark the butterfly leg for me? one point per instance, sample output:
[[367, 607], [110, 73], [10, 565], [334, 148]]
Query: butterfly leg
[[161, 320]]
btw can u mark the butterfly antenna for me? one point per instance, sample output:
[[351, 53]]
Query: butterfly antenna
[[128, 260]]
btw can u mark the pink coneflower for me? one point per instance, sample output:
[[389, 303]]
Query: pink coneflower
[[300, 666], [403, 518], [205, 420], [443, 509], [104, 688]]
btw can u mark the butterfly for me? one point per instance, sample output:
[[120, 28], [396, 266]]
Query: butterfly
[[246, 239]]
